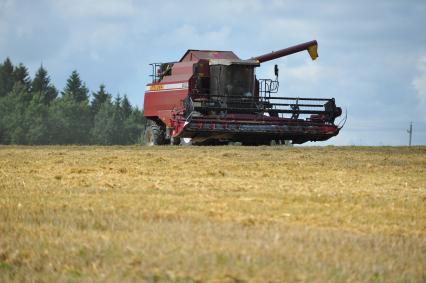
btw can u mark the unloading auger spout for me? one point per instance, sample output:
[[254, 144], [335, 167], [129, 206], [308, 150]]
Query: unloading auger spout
[[310, 46]]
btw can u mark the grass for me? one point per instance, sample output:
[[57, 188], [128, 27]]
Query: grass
[[216, 214]]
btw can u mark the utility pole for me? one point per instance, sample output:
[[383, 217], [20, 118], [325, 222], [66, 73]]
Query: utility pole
[[410, 133]]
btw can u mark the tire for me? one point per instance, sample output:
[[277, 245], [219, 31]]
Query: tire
[[154, 134], [186, 141], [175, 141]]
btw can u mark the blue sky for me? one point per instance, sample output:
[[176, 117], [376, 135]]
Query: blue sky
[[372, 54]]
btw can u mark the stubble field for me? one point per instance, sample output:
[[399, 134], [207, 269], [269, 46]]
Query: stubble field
[[212, 214]]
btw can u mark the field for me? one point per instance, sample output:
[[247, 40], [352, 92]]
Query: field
[[216, 214]]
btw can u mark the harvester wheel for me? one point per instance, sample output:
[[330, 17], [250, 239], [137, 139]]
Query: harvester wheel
[[186, 141], [175, 141], [154, 134]]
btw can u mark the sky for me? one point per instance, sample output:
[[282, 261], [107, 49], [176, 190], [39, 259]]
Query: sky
[[372, 54]]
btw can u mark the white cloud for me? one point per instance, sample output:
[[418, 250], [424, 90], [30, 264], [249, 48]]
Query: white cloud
[[309, 71], [90, 8], [419, 84], [5, 9], [366, 61], [5, 5], [194, 38]]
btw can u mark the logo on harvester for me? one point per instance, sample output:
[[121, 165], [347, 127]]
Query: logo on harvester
[[156, 87], [167, 87]]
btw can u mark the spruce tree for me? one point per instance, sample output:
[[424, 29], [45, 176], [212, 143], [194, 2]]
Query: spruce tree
[[69, 121], [118, 122], [32, 113], [42, 87], [133, 127], [103, 131], [76, 89], [13, 108], [20, 75], [6, 77], [70, 118], [36, 119], [99, 98], [126, 107]]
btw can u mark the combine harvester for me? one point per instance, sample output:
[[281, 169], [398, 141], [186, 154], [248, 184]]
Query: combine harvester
[[214, 97]]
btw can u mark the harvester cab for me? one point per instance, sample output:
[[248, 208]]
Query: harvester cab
[[214, 97]]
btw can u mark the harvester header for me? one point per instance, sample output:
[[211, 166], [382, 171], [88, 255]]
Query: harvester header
[[214, 97]]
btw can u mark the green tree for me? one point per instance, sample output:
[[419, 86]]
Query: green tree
[[126, 107], [7, 104], [3, 134], [103, 131], [76, 89], [118, 122], [42, 87], [32, 113], [99, 98], [69, 121], [36, 119], [134, 127], [12, 118], [6, 77], [20, 75]]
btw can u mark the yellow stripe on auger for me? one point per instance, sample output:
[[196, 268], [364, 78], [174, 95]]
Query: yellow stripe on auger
[[313, 51]]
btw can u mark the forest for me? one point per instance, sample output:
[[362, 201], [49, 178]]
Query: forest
[[35, 112]]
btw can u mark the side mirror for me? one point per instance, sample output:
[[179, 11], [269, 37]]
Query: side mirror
[[276, 70]]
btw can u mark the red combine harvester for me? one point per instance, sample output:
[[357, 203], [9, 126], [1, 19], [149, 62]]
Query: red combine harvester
[[214, 97]]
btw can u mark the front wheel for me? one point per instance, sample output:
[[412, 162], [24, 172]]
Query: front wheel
[[154, 134], [175, 141], [186, 141]]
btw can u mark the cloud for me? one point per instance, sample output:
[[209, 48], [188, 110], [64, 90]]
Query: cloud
[[368, 51], [309, 71], [195, 38], [419, 83], [89, 9]]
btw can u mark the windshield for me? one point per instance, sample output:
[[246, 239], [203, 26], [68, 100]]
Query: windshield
[[232, 80]]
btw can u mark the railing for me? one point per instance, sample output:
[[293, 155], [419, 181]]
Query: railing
[[268, 86], [283, 107], [155, 76], [159, 70]]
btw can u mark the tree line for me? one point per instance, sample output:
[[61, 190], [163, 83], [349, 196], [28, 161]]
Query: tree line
[[34, 111]]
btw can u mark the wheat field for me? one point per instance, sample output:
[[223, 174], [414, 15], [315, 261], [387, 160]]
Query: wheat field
[[212, 214]]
